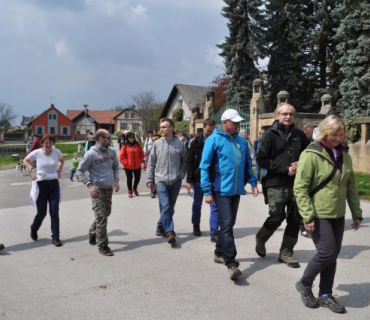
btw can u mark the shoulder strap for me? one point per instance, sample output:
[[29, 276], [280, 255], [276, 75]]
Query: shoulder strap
[[325, 182]]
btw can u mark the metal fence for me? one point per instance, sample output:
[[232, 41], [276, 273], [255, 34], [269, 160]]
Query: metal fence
[[244, 113]]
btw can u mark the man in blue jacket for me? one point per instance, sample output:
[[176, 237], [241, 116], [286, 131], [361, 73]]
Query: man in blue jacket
[[226, 167]]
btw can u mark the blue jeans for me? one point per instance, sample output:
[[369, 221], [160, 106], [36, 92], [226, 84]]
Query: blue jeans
[[167, 196], [49, 192], [227, 211], [197, 209]]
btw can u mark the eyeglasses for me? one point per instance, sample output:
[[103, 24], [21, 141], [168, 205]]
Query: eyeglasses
[[284, 114], [108, 137]]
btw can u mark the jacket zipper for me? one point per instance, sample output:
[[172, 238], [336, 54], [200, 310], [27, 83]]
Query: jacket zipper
[[236, 160]]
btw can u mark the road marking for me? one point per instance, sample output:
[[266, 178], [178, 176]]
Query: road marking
[[21, 184]]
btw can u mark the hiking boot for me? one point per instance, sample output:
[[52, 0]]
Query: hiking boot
[[234, 273], [214, 237], [92, 239], [171, 237], [130, 194], [219, 259], [56, 242], [261, 238], [288, 259], [160, 233], [106, 251], [196, 230], [33, 235], [331, 303], [136, 193], [307, 296], [2, 247], [152, 195]]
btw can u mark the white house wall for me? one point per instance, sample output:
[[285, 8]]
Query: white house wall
[[174, 104]]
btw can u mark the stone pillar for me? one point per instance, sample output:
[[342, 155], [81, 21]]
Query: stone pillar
[[282, 97], [326, 104], [209, 104], [257, 106]]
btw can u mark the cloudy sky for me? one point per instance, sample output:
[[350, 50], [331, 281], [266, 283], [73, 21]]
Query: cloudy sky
[[102, 52]]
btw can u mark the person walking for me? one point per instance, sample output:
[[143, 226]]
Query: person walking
[[102, 164], [280, 149], [148, 144], [193, 181], [226, 167], [166, 166], [131, 156], [74, 165], [325, 180], [256, 147], [45, 186]]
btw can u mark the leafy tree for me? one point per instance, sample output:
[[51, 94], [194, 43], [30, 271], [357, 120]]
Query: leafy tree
[[149, 108], [182, 126], [219, 87], [353, 36], [178, 114], [289, 28], [240, 49], [7, 116]]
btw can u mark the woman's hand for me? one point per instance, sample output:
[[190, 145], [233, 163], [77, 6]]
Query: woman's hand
[[356, 224], [310, 226], [33, 174]]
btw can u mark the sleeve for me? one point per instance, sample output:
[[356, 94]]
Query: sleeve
[[122, 156], [82, 168], [249, 176], [184, 156], [190, 163], [115, 167], [32, 156], [266, 157], [302, 185], [353, 198], [152, 161], [205, 164], [141, 152]]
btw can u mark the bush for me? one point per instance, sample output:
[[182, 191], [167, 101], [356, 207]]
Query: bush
[[178, 115]]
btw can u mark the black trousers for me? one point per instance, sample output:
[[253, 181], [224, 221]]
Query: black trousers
[[327, 237], [130, 174]]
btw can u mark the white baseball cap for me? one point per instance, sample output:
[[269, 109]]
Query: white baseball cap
[[232, 115]]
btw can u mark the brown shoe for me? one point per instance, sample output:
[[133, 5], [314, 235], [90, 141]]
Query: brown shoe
[[289, 260], [130, 194], [136, 193], [171, 237]]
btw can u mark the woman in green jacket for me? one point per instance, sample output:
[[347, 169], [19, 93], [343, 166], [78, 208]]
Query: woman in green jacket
[[323, 213]]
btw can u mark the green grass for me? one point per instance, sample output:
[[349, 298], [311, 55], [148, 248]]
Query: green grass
[[6, 161], [363, 185], [67, 149]]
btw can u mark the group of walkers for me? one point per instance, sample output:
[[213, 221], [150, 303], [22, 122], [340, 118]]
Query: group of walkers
[[303, 183]]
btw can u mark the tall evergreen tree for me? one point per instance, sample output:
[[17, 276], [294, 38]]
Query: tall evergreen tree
[[353, 36], [289, 28], [240, 49]]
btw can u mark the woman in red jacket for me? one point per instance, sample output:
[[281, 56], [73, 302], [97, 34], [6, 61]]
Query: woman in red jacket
[[131, 156]]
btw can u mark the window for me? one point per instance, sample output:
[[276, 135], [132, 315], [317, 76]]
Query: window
[[50, 116], [52, 130], [123, 125], [65, 131], [132, 115], [180, 103], [54, 116], [126, 115], [39, 130], [135, 126]]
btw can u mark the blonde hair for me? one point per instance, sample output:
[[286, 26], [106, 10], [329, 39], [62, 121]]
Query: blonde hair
[[330, 125]]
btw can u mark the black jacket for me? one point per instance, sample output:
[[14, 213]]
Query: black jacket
[[194, 158], [278, 150]]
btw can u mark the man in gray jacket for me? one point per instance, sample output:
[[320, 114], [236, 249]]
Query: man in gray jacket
[[166, 168], [102, 164]]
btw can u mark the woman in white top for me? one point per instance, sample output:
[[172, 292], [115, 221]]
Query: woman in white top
[[49, 165]]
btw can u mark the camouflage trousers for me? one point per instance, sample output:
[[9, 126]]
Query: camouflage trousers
[[102, 207]]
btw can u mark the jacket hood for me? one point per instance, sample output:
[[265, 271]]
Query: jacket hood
[[224, 133]]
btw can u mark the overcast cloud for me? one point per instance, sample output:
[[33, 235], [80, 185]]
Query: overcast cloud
[[102, 52]]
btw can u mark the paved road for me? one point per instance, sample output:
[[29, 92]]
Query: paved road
[[147, 279]]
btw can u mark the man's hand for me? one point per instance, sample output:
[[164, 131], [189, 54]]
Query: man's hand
[[116, 186], [293, 168], [310, 226], [189, 186], [150, 184], [93, 191], [356, 224], [255, 191], [209, 199]]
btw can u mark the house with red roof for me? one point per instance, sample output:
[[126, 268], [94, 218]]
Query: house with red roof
[[54, 122]]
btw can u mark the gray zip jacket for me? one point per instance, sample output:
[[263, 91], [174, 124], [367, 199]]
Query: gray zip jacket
[[102, 165], [167, 161]]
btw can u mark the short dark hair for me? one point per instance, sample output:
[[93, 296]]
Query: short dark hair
[[209, 122], [47, 136], [170, 121]]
